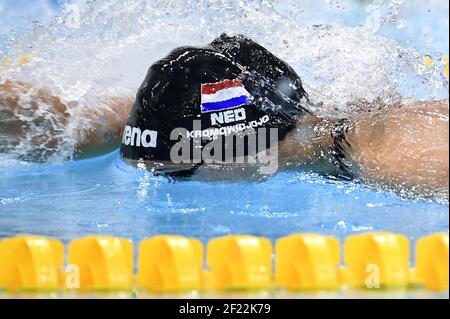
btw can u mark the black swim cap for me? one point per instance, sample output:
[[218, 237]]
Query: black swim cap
[[231, 84]]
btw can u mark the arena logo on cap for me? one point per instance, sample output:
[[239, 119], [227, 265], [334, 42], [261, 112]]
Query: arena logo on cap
[[223, 95], [134, 136]]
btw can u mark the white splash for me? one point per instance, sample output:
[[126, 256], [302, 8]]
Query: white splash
[[104, 48]]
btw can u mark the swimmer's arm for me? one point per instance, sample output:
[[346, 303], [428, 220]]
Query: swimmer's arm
[[405, 147], [23, 107], [104, 133]]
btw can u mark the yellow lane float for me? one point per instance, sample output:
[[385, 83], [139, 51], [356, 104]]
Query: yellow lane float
[[103, 263], [170, 263], [31, 263], [240, 261], [432, 262], [378, 260], [307, 261]]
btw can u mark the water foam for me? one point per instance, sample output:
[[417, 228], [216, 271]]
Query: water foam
[[96, 49]]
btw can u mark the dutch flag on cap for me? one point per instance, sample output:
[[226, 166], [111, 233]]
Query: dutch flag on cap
[[223, 95]]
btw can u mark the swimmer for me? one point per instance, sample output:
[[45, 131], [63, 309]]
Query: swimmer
[[236, 87]]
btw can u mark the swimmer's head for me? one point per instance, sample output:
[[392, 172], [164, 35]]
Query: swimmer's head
[[198, 95]]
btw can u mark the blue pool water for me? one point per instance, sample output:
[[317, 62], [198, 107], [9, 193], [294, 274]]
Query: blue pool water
[[103, 195]]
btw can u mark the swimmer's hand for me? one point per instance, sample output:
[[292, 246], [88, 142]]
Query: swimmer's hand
[[34, 115]]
